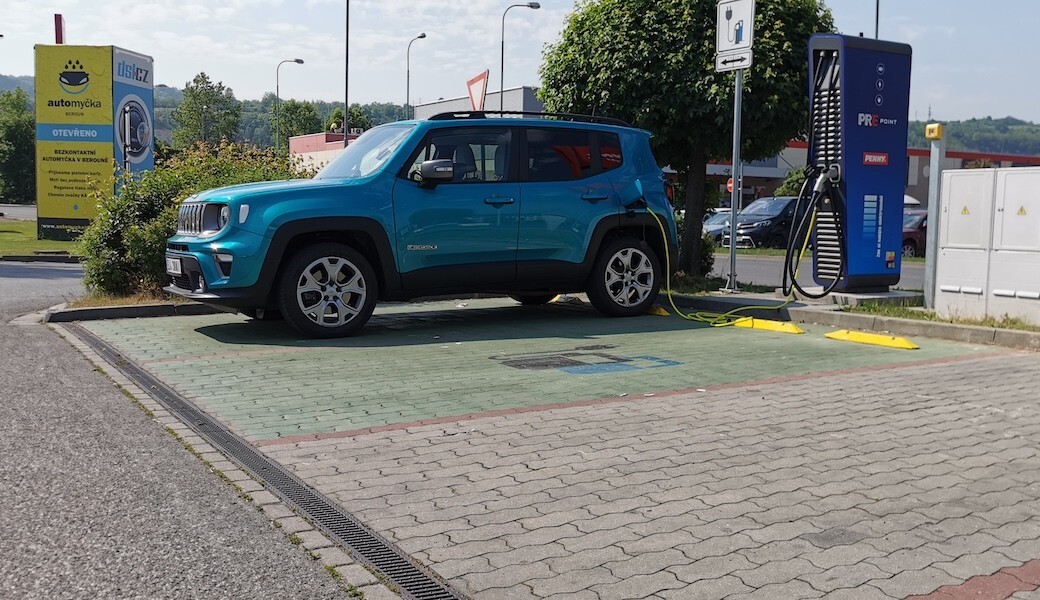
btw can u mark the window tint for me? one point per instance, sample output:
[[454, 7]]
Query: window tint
[[478, 155], [610, 151], [558, 154]]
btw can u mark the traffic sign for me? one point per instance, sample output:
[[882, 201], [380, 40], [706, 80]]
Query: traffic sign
[[733, 61], [734, 34], [478, 90], [729, 185]]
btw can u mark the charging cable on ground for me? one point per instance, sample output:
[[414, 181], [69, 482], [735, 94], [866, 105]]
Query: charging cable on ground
[[713, 319]]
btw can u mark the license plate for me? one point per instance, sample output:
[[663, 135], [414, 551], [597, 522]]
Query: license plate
[[173, 266]]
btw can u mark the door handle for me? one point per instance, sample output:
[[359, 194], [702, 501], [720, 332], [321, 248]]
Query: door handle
[[593, 196], [495, 201]]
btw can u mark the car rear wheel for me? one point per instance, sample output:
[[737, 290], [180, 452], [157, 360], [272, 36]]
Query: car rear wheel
[[328, 290], [626, 278], [532, 299], [909, 249]]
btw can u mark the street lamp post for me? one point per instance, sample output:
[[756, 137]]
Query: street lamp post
[[278, 99], [408, 75], [502, 63]]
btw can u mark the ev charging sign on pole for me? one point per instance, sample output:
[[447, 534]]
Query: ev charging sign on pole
[[733, 38], [734, 35]]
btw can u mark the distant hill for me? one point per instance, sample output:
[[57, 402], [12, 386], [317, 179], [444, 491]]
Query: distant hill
[[997, 136], [26, 82]]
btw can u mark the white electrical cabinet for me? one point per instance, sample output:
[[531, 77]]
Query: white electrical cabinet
[[989, 244]]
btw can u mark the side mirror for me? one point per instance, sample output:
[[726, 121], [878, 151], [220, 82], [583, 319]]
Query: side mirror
[[436, 171]]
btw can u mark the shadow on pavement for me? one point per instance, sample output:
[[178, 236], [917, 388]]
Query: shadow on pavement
[[454, 325]]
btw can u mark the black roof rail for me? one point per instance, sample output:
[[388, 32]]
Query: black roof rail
[[477, 114]]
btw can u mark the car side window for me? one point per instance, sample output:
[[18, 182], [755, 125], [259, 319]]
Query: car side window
[[477, 155], [610, 151], [558, 154]]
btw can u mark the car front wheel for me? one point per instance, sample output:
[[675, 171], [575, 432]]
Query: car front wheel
[[626, 278], [327, 290]]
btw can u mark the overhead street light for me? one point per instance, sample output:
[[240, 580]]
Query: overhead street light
[[502, 62], [278, 99], [408, 76]]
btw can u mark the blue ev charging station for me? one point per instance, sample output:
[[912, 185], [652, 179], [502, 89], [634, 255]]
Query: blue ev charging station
[[852, 200]]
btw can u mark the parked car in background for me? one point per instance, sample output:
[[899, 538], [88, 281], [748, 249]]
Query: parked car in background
[[765, 223], [716, 225], [915, 231]]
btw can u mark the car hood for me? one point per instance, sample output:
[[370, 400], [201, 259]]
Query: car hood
[[743, 219], [265, 188]]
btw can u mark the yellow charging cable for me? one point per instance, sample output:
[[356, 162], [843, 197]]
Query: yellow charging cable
[[727, 318]]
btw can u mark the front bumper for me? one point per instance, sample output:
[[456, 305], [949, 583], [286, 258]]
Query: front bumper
[[222, 272]]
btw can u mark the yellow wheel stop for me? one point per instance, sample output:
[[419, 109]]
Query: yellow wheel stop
[[876, 339], [768, 325]]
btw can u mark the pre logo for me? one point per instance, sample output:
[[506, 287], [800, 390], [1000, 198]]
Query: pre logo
[[873, 120], [877, 159]]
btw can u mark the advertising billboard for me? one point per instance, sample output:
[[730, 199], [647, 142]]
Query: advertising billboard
[[94, 108]]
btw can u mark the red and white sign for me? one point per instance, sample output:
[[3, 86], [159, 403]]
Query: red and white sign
[[478, 90], [876, 159], [729, 185]]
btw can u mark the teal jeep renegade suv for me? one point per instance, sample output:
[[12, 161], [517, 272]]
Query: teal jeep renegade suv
[[460, 203]]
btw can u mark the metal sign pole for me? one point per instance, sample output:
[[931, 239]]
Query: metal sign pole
[[734, 203]]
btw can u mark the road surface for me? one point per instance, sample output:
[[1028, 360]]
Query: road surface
[[766, 270]]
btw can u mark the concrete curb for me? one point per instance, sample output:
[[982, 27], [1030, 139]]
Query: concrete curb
[[60, 314], [725, 303], [42, 258], [832, 315], [1010, 338]]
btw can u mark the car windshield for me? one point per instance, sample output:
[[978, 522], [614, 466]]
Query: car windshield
[[767, 207], [912, 220], [717, 219], [367, 153]]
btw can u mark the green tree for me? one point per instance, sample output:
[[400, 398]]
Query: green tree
[[17, 148], [792, 184], [335, 120], [209, 112], [359, 118], [652, 62], [296, 118]]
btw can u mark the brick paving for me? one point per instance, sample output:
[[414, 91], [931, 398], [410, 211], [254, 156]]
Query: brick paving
[[870, 474]]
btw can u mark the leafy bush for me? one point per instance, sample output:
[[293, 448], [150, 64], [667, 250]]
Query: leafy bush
[[124, 246]]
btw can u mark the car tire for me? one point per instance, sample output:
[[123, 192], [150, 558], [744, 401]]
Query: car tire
[[625, 279], [327, 290], [909, 249], [532, 299], [776, 242]]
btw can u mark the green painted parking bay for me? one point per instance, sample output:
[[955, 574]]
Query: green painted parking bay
[[422, 361]]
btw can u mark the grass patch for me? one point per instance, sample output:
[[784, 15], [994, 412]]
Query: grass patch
[[921, 314], [18, 238], [723, 251], [684, 284], [97, 300]]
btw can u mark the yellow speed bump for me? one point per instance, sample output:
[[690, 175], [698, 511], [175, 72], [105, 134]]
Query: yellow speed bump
[[876, 339], [766, 324], [658, 311]]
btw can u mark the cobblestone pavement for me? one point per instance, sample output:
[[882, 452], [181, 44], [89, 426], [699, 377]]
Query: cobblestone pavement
[[786, 467]]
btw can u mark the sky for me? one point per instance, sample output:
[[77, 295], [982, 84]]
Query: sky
[[970, 58]]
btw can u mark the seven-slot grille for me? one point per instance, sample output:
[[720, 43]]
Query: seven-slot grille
[[189, 219]]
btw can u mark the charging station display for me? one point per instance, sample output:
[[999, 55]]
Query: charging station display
[[859, 100]]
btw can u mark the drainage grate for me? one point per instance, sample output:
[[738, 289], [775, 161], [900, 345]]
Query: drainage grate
[[415, 581]]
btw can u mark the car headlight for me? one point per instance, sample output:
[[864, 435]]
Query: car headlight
[[225, 216], [757, 224]]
